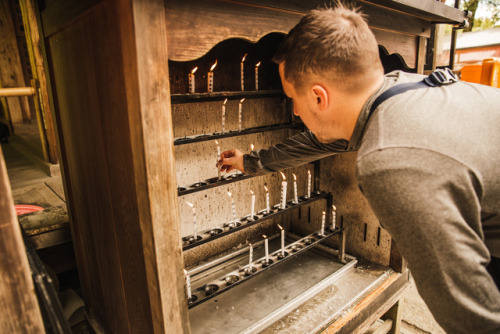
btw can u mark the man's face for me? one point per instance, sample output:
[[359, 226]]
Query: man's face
[[304, 106]]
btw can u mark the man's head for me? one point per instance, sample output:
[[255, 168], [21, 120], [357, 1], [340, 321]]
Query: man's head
[[330, 54]]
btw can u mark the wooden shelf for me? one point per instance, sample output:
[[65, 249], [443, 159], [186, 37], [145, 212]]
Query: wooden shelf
[[244, 222], [236, 277], [235, 133], [221, 96]]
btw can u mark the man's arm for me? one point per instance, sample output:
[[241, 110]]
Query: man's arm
[[295, 151], [430, 204]]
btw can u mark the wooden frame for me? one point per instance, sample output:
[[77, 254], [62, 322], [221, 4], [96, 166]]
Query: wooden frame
[[109, 73]]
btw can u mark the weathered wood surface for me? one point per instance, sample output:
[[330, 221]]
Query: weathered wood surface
[[11, 73], [114, 125], [251, 21], [37, 62], [20, 311]]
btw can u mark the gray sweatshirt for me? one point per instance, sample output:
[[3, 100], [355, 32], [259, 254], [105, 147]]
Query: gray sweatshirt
[[429, 165]]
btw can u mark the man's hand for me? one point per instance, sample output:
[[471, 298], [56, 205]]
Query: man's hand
[[231, 159]]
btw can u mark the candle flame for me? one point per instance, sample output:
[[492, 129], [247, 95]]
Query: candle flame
[[241, 101], [194, 70], [294, 177], [225, 101], [216, 142], [324, 213], [334, 208], [252, 147], [185, 272], [265, 236], [190, 204], [309, 172], [283, 175], [213, 66], [258, 64], [267, 190], [243, 60], [229, 194], [281, 228], [251, 192]]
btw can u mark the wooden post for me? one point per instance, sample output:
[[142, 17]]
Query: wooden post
[[20, 311], [115, 131], [11, 74], [37, 62]]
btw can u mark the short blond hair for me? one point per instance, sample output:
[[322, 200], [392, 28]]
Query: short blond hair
[[333, 42]]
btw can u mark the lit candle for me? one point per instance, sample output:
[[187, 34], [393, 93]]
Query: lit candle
[[240, 113], [252, 211], [251, 147], [266, 247], [295, 199], [242, 67], [267, 200], [234, 207], [188, 284], [323, 219], [257, 76], [282, 240], [210, 78], [308, 195], [250, 258], [283, 191], [334, 216], [192, 81], [218, 157], [224, 116], [195, 236]]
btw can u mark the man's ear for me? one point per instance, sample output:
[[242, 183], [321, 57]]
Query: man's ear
[[320, 96]]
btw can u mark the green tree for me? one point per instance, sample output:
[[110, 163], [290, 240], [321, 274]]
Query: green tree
[[491, 7]]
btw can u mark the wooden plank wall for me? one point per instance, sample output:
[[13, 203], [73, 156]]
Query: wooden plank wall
[[112, 111], [20, 311], [11, 71]]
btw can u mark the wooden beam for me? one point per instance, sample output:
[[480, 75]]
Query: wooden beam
[[20, 310], [152, 138], [421, 53], [11, 74], [17, 91], [38, 66]]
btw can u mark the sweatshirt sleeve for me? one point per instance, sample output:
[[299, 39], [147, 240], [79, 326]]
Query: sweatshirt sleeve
[[430, 204], [295, 151]]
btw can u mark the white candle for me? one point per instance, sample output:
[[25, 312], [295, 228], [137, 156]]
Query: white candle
[[323, 220], [234, 207], [267, 200], [334, 216], [210, 78], [295, 198], [283, 191], [242, 68], [240, 113], [266, 247], [192, 86], [195, 235], [188, 284], [252, 211], [250, 258], [257, 76], [224, 116], [282, 240], [308, 195], [217, 161]]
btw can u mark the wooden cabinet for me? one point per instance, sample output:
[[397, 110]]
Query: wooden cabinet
[[118, 114]]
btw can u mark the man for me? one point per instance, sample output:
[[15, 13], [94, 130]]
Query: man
[[428, 159]]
